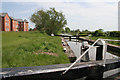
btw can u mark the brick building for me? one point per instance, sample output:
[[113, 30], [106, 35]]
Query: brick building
[[23, 25], [14, 24], [11, 24], [5, 22]]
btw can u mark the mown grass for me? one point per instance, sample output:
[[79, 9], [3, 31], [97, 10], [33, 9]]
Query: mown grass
[[110, 42], [18, 49]]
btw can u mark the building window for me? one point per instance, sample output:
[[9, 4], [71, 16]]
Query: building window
[[6, 19], [6, 24], [7, 29]]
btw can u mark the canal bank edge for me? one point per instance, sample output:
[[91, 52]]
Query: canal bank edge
[[69, 51]]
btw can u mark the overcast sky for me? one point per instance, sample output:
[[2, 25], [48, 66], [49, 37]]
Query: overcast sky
[[81, 15]]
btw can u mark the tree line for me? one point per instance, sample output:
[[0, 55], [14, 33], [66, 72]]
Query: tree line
[[96, 33], [51, 21]]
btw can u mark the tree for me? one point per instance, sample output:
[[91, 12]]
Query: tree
[[72, 32], [107, 33], [115, 33], [49, 21], [85, 32], [30, 29], [77, 31], [62, 31], [67, 30], [99, 33]]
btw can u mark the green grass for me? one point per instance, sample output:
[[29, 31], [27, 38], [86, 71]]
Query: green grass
[[110, 42], [18, 49]]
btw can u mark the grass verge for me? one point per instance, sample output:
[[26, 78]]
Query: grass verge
[[18, 49], [110, 42]]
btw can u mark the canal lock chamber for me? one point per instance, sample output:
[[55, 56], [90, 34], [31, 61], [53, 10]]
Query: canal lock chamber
[[94, 54]]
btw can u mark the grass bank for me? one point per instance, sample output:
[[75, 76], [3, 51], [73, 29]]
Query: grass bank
[[20, 49], [110, 42]]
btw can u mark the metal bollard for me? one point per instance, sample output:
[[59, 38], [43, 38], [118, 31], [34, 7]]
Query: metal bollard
[[70, 38]]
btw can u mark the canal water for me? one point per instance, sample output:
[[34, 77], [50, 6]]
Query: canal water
[[76, 47]]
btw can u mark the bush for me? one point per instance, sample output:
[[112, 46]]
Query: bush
[[115, 33]]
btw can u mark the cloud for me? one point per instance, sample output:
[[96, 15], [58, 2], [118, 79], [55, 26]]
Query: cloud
[[97, 15], [82, 15], [119, 16], [59, 0]]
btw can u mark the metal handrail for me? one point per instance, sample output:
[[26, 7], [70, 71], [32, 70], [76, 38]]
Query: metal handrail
[[87, 51], [81, 56]]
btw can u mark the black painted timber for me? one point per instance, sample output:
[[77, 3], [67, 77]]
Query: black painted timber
[[51, 72], [99, 53]]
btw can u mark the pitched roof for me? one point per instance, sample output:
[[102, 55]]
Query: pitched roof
[[3, 14], [20, 20], [25, 20], [12, 17]]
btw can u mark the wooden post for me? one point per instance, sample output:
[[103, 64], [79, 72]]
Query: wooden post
[[70, 38], [76, 40], [78, 37]]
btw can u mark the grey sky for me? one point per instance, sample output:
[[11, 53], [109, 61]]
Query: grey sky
[[80, 15]]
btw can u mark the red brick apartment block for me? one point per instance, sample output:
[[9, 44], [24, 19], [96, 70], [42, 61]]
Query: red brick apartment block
[[11, 24], [5, 22], [23, 25], [14, 24]]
